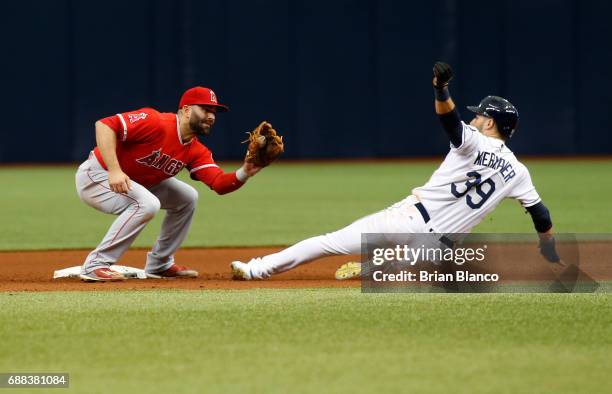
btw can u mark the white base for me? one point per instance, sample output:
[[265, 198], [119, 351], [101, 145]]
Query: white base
[[74, 272]]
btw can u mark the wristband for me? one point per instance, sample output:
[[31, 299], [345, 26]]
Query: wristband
[[241, 175], [441, 93]]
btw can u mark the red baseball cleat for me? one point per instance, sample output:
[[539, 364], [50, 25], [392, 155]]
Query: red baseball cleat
[[175, 271], [102, 275]]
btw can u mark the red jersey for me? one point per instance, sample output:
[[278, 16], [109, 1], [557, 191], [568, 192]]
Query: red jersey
[[150, 149]]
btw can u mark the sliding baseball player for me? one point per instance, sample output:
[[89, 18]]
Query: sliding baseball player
[[478, 172]]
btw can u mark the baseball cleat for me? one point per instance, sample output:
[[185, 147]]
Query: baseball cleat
[[348, 270], [175, 271], [102, 275], [240, 271]]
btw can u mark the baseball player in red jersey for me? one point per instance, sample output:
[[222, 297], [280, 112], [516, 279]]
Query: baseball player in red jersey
[[131, 174]]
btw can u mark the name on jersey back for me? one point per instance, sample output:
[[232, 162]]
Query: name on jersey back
[[490, 159]]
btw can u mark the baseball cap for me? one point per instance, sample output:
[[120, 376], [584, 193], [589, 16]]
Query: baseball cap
[[201, 96]]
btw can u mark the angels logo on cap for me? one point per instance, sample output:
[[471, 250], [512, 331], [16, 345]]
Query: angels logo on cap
[[201, 96]]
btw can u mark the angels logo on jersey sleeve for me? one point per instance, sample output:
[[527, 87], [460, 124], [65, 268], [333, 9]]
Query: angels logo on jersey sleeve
[[134, 126], [136, 117], [162, 162]]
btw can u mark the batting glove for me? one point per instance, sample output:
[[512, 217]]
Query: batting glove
[[548, 250], [443, 74]]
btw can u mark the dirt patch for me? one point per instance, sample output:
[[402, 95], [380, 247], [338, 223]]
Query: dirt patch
[[33, 270]]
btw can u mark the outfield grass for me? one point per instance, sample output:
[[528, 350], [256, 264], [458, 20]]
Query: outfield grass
[[310, 341], [288, 202]]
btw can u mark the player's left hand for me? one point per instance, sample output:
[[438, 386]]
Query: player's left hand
[[265, 145], [442, 74], [251, 169], [548, 250]]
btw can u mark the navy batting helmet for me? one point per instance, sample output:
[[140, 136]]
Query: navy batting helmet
[[501, 110]]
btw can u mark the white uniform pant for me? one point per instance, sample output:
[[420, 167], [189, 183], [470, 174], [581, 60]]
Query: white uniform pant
[[135, 209], [402, 217]]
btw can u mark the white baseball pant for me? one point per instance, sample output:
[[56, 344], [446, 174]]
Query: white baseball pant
[[402, 217], [135, 209]]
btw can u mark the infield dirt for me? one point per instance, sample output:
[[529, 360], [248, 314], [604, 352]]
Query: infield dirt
[[33, 270]]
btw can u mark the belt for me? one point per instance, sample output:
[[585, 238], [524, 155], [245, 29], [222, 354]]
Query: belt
[[445, 240], [423, 211]]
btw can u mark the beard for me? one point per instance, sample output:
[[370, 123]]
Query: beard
[[198, 126]]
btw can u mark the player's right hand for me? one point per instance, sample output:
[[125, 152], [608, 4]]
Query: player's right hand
[[119, 182], [442, 74], [548, 250]]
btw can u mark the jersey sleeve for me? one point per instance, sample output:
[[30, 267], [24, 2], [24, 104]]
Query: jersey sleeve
[[469, 141], [134, 126], [203, 168], [524, 191]]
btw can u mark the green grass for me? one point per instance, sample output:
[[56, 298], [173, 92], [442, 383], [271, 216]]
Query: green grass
[[288, 202], [310, 341]]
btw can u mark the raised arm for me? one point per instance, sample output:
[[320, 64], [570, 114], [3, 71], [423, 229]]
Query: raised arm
[[445, 107]]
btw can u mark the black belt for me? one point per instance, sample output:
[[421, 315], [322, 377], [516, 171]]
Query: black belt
[[445, 240], [423, 211]]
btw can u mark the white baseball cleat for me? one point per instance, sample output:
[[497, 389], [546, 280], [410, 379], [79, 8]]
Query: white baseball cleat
[[241, 271], [348, 270]]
